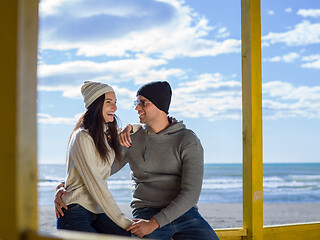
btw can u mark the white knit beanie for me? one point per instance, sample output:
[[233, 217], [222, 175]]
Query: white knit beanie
[[92, 90]]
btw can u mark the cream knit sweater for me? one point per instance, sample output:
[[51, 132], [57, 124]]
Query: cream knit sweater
[[86, 178]]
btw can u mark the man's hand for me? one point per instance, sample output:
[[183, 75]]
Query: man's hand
[[58, 203], [142, 227], [124, 136]]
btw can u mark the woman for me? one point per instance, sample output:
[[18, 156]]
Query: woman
[[92, 148]]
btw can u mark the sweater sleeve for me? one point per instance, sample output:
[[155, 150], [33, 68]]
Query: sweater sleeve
[[135, 128], [192, 176], [86, 162]]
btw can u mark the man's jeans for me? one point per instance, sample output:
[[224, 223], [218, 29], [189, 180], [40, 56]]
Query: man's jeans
[[78, 218], [190, 225]]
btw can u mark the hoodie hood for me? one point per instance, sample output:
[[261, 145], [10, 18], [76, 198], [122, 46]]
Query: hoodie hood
[[175, 126]]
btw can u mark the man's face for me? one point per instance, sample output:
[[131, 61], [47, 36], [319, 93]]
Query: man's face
[[147, 111]]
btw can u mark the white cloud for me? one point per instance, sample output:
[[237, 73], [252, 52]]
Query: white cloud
[[217, 97], [222, 33], [283, 100], [81, 8], [313, 61], [311, 57], [48, 7], [125, 98], [140, 70], [165, 28], [315, 13], [288, 58], [67, 90], [288, 10], [283, 90], [156, 75], [48, 119], [211, 96], [273, 59], [80, 67], [304, 33], [270, 12]]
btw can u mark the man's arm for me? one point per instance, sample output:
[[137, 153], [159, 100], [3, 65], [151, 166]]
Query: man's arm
[[125, 141], [192, 176], [117, 165], [191, 183]]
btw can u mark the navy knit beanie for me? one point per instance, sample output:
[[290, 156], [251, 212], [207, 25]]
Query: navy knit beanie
[[159, 93]]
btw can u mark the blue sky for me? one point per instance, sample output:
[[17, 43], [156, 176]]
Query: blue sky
[[195, 46]]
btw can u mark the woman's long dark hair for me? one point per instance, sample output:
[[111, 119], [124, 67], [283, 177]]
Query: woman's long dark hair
[[92, 120]]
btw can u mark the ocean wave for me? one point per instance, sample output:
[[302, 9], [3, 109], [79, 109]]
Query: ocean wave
[[305, 178], [120, 182], [222, 180], [281, 184], [289, 184], [273, 179], [220, 184], [49, 182]]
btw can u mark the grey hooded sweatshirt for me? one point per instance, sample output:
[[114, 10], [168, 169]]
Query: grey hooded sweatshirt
[[166, 169]]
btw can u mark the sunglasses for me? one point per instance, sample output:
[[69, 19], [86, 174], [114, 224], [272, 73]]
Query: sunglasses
[[142, 103]]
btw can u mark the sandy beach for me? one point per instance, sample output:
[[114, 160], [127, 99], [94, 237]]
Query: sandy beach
[[222, 215]]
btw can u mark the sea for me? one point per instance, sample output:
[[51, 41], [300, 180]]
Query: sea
[[222, 183]]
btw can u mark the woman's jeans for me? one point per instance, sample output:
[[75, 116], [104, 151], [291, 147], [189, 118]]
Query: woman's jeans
[[190, 225], [78, 218]]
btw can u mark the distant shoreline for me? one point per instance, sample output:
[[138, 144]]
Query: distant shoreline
[[222, 183], [227, 215]]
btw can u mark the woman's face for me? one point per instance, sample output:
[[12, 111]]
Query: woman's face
[[109, 106]]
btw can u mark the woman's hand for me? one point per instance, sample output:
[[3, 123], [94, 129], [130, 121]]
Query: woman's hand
[[124, 136], [58, 203], [142, 227]]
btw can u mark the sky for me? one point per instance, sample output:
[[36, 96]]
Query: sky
[[195, 45]]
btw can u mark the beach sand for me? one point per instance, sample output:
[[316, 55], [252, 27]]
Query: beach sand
[[222, 215]]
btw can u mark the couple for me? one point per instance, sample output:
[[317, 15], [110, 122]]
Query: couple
[[166, 162]]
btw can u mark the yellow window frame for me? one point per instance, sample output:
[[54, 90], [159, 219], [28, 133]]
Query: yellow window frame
[[18, 123]]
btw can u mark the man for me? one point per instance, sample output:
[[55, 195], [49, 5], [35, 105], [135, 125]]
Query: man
[[166, 160]]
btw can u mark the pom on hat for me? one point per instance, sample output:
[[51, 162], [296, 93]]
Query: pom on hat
[[92, 90], [159, 93]]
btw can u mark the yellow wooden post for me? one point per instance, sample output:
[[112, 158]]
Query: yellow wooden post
[[18, 164], [8, 224], [252, 119]]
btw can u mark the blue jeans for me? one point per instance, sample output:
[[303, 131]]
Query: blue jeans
[[78, 218], [190, 225]]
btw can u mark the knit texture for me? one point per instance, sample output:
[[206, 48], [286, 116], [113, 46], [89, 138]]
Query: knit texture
[[92, 90], [167, 170], [86, 178], [159, 93]]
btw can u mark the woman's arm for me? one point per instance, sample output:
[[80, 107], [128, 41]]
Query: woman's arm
[[85, 159]]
